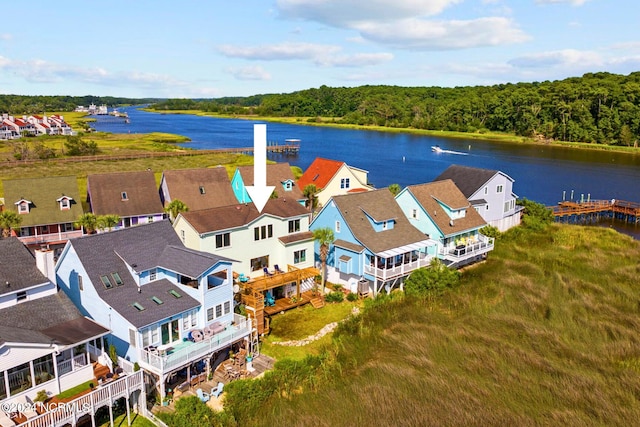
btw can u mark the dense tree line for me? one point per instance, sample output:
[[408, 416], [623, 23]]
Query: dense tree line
[[18, 105], [600, 108]]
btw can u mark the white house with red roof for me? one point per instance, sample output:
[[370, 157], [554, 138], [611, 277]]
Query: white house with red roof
[[333, 178]]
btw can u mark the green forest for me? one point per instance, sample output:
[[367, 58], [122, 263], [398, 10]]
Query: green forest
[[598, 108]]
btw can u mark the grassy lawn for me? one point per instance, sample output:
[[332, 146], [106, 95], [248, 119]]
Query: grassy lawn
[[136, 421], [543, 333], [300, 323], [75, 390]]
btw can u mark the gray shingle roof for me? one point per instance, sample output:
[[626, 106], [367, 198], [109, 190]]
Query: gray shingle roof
[[381, 205], [468, 179], [142, 247], [17, 266], [105, 194]]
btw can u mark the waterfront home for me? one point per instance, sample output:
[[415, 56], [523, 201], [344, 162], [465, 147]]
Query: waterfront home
[[375, 247], [168, 307], [198, 189], [51, 125], [133, 196], [332, 178], [48, 208], [489, 191], [440, 210], [46, 344], [279, 175], [272, 249]]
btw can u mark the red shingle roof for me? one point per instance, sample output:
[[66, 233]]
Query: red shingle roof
[[319, 173]]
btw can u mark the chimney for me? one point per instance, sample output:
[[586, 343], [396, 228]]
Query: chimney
[[45, 263]]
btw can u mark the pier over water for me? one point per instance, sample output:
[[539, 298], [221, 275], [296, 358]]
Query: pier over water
[[594, 210]]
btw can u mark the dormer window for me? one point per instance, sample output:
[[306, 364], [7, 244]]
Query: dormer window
[[23, 206], [64, 202], [124, 196], [202, 191], [287, 185]]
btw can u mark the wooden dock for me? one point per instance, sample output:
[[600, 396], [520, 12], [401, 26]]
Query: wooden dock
[[593, 210]]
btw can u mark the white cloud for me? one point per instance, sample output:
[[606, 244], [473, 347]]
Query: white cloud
[[571, 2], [444, 35], [355, 60], [343, 13], [5, 37], [559, 58], [249, 73]]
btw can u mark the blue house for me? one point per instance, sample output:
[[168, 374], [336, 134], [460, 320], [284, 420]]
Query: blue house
[[375, 247], [167, 306], [441, 211], [279, 175]]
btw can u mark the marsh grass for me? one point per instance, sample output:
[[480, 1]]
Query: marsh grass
[[543, 333]]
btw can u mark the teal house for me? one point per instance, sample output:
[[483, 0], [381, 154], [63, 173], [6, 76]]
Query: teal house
[[279, 175]]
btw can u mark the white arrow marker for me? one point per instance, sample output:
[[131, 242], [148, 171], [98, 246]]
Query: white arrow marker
[[259, 191]]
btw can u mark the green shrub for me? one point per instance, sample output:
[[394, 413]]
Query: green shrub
[[334, 297], [352, 297], [424, 281]]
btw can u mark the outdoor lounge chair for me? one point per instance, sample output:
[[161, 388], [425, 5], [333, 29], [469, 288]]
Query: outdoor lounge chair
[[203, 396], [26, 406], [269, 301], [267, 272], [277, 268], [5, 420], [217, 390]]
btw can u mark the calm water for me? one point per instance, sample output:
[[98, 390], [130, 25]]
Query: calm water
[[542, 173]]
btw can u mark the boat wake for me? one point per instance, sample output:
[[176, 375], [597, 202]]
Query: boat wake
[[437, 149]]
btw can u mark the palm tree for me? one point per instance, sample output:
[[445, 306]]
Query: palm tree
[[174, 208], [324, 236], [88, 222], [9, 220], [395, 189], [107, 222], [310, 192]]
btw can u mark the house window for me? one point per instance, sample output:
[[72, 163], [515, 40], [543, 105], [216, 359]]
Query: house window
[[299, 256], [80, 284], [227, 307], [21, 296], [218, 310], [344, 183], [486, 208], [182, 236], [43, 369], [106, 282], [499, 189], [486, 190], [259, 263], [294, 226], [506, 206], [223, 240], [210, 314], [414, 213], [124, 196], [384, 225], [132, 338], [117, 279], [263, 232], [337, 226], [287, 186], [153, 274], [65, 204], [23, 208], [202, 190]]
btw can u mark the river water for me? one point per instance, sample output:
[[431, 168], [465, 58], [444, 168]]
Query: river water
[[543, 173]]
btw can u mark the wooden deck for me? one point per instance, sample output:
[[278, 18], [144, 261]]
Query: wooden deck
[[284, 304], [627, 211]]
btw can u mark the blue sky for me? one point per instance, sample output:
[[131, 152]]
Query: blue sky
[[215, 48]]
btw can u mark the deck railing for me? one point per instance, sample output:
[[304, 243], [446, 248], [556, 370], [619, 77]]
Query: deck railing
[[162, 363], [399, 270], [481, 246], [69, 365]]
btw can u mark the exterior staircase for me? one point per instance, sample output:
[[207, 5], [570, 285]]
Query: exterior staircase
[[317, 302], [99, 371]]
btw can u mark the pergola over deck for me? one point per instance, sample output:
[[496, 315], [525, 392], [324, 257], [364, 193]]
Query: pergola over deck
[[253, 293]]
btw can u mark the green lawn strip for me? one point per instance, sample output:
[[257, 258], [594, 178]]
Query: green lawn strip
[[136, 421], [74, 391]]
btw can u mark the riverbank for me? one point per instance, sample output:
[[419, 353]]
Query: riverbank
[[479, 136]]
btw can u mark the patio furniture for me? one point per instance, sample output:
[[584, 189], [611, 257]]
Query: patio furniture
[[277, 268], [217, 390], [183, 387], [196, 335], [202, 395], [5, 420], [26, 406], [242, 278], [267, 272]]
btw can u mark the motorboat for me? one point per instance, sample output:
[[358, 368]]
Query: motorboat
[[436, 148]]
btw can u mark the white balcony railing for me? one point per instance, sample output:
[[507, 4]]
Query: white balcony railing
[[193, 352], [51, 237], [399, 270], [69, 365], [456, 254]]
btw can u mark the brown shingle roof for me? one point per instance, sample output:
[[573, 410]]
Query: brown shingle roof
[[184, 185], [226, 217], [105, 194], [446, 192], [380, 205]]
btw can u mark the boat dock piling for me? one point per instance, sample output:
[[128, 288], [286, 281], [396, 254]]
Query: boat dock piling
[[593, 210]]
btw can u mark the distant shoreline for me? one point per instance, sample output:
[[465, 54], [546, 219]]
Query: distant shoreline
[[490, 137]]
